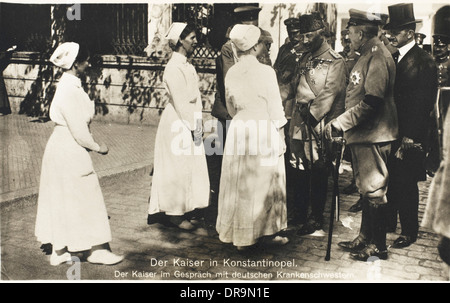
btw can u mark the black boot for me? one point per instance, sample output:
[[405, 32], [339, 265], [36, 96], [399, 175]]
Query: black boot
[[351, 188], [298, 208], [319, 182], [365, 234], [357, 206], [377, 247], [391, 216]]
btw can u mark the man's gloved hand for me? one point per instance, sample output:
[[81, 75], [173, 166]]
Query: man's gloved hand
[[332, 129], [407, 143], [304, 112], [306, 116]]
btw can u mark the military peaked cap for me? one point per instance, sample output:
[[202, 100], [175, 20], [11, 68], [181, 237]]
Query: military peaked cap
[[247, 13], [358, 17]]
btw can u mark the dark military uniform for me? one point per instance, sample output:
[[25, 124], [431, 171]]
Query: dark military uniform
[[320, 92], [374, 75], [286, 67], [349, 55], [437, 214], [350, 59], [441, 41], [370, 125]]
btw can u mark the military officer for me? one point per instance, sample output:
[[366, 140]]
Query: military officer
[[441, 41], [320, 93], [287, 63], [266, 41], [436, 217], [419, 37], [350, 55], [441, 52], [286, 67], [369, 125]]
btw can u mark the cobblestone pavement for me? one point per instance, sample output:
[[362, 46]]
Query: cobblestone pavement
[[23, 142], [159, 253]]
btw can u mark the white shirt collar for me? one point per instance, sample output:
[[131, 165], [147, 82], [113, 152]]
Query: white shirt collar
[[405, 49]]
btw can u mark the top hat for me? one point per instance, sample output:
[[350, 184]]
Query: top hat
[[358, 17], [400, 15], [311, 23]]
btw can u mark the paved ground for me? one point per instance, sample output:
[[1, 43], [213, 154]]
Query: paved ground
[[156, 252], [23, 142]]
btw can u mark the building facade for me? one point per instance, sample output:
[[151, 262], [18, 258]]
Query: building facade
[[128, 49]]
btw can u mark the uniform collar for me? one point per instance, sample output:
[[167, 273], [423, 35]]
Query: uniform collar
[[72, 79], [369, 45]]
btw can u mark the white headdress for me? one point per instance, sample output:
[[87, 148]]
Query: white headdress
[[174, 32], [65, 54], [245, 36]]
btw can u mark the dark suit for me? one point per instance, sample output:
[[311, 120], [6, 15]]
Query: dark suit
[[414, 94]]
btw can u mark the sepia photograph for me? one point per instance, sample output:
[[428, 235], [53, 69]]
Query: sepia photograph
[[225, 143]]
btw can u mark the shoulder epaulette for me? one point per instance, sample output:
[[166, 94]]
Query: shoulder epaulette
[[322, 60], [335, 54]]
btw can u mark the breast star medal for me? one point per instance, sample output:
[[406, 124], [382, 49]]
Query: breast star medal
[[355, 77]]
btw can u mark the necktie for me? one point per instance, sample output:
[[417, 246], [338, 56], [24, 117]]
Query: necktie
[[395, 56]]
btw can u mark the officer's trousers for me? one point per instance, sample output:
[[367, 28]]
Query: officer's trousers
[[310, 184], [369, 162], [371, 176]]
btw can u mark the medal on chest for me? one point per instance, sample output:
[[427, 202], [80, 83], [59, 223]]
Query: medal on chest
[[355, 77]]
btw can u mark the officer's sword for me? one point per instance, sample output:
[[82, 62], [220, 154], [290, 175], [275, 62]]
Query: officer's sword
[[311, 155], [339, 142]]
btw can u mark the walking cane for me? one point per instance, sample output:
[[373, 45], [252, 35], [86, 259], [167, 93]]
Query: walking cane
[[339, 142], [311, 151]]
